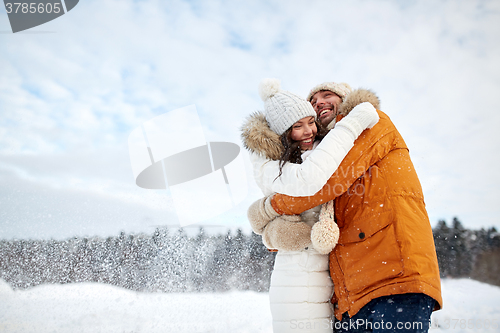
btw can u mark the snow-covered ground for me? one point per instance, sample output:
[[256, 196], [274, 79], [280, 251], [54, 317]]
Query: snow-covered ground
[[97, 308], [468, 306]]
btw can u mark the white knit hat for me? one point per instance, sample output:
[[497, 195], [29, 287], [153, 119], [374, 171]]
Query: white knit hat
[[282, 108], [341, 89]]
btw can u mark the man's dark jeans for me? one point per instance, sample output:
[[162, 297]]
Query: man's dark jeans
[[405, 313]]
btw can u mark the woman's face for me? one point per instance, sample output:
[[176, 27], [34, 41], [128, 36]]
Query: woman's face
[[304, 131]]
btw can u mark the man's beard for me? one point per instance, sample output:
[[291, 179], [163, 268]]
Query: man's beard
[[331, 118]]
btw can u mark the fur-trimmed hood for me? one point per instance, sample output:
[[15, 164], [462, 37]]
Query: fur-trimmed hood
[[259, 138]]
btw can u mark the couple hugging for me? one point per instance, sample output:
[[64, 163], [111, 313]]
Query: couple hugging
[[345, 211]]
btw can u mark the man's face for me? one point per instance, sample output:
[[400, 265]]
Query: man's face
[[326, 103]]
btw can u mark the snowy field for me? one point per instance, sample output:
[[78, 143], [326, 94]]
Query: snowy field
[[97, 308]]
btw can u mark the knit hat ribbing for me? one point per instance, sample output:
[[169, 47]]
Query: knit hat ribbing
[[341, 89], [282, 108]]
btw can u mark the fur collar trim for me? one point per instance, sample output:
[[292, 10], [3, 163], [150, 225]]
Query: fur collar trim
[[258, 137], [357, 97]]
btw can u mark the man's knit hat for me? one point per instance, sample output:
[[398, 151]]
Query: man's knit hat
[[341, 89], [282, 108]]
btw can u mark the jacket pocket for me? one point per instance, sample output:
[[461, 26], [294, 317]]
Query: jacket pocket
[[368, 253]]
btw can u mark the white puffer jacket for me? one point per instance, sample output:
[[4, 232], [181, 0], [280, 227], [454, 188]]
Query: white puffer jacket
[[301, 289], [301, 286]]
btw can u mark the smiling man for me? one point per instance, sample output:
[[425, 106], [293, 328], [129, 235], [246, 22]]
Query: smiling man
[[326, 98]]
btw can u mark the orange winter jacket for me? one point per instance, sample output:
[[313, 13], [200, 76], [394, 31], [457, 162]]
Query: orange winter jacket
[[386, 245]]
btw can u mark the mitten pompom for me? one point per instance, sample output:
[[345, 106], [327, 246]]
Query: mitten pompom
[[324, 236]]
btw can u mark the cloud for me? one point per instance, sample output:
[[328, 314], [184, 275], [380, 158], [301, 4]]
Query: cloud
[[69, 99]]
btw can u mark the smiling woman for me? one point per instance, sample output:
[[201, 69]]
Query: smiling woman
[[302, 136], [304, 131], [300, 284]]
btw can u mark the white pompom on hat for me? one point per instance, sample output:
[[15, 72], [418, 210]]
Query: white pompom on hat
[[341, 89], [282, 108]]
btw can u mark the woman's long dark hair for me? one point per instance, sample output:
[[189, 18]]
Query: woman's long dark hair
[[292, 152]]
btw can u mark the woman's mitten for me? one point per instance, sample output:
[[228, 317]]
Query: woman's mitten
[[287, 233], [260, 213]]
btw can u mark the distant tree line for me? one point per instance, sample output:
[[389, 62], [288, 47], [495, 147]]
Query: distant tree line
[[162, 262], [468, 253], [170, 261]]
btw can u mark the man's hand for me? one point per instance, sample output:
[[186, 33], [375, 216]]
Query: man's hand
[[260, 213]]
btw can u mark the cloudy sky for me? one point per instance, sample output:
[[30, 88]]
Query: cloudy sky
[[72, 90]]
